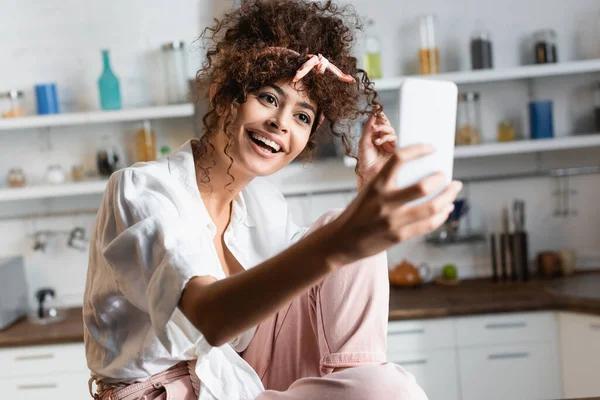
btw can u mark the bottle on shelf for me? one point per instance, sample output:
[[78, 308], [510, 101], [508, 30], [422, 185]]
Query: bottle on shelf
[[108, 86], [372, 56], [468, 119], [429, 53], [146, 143], [481, 50]]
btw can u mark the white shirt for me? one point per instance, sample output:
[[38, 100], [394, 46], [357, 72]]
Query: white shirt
[[152, 235]]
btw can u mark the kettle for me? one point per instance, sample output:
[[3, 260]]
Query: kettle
[[408, 275]]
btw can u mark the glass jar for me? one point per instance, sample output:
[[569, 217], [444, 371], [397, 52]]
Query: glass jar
[[545, 46], [16, 178], [468, 119], [176, 72], [481, 50], [429, 54], [12, 104]]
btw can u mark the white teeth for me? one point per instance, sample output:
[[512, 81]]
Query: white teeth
[[266, 141]]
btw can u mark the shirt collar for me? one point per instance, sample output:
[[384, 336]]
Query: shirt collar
[[181, 167]]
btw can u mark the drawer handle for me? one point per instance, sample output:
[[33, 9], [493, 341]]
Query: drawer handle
[[39, 386], [504, 356], [34, 357], [505, 325], [411, 362], [595, 327], [420, 331]]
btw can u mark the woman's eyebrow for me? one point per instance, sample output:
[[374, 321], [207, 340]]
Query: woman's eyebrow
[[285, 95]]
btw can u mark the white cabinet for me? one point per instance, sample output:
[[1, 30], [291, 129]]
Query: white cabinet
[[57, 372], [435, 371], [498, 356], [580, 353], [516, 372], [426, 349]]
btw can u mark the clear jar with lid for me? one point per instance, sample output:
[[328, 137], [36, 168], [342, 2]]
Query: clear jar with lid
[[176, 72], [545, 46], [468, 119], [12, 104]]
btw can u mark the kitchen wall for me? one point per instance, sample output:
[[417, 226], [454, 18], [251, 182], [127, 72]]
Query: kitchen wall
[[60, 41]]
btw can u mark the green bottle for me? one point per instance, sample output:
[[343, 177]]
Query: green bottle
[[372, 55], [108, 85]]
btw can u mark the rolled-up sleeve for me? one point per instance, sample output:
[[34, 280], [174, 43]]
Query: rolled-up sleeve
[[152, 248]]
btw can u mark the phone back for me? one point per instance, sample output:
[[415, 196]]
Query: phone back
[[427, 115]]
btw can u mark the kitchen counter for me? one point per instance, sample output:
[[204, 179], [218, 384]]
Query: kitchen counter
[[26, 333], [470, 297], [578, 293]]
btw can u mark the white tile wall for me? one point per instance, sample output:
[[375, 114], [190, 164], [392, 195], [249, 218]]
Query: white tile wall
[[60, 41]]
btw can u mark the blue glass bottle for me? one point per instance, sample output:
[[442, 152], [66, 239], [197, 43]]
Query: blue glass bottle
[[108, 85]]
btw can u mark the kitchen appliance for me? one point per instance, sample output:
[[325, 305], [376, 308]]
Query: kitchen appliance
[[46, 311], [13, 291]]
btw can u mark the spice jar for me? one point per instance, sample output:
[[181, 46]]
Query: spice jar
[[55, 174], [77, 173], [545, 46], [506, 131], [176, 72], [12, 104], [468, 119], [429, 54], [16, 178]]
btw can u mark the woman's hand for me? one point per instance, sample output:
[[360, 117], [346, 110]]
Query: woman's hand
[[376, 146], [379, 217]]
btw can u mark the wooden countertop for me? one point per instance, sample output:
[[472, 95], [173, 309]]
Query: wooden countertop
[[26, 333], [482, 296], [470, 297]]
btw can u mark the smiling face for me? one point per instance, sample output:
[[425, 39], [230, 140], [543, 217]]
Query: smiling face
[[271, 129]]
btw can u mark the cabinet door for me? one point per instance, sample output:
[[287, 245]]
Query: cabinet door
[[580, 353], [435, 371], [516, 372], [54, 387], [39, 360]]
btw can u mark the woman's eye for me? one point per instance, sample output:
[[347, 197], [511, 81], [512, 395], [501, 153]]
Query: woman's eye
[[268, 98], [304, 118]]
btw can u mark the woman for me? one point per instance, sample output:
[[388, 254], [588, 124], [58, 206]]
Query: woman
[[200, 285]]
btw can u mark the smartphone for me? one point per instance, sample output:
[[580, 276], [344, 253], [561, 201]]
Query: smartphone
[[427, 114]]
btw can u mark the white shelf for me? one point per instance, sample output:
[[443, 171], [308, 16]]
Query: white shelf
[[51, 191], [527, 146], [97, 117], [496, 75], [320, 176]]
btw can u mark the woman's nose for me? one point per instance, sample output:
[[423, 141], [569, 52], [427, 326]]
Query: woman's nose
[[277, 123]]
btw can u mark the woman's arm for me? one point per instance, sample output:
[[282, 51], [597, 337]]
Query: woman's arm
[[222, 309], [373, 222]]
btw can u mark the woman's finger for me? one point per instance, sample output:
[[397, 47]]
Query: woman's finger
[[422, 227], [425, 187], [400, 157], [443, 202]]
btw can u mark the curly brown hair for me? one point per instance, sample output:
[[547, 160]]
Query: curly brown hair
[[241, 59]]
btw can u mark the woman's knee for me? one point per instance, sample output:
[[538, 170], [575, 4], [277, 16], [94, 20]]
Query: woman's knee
[[386, 381]]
